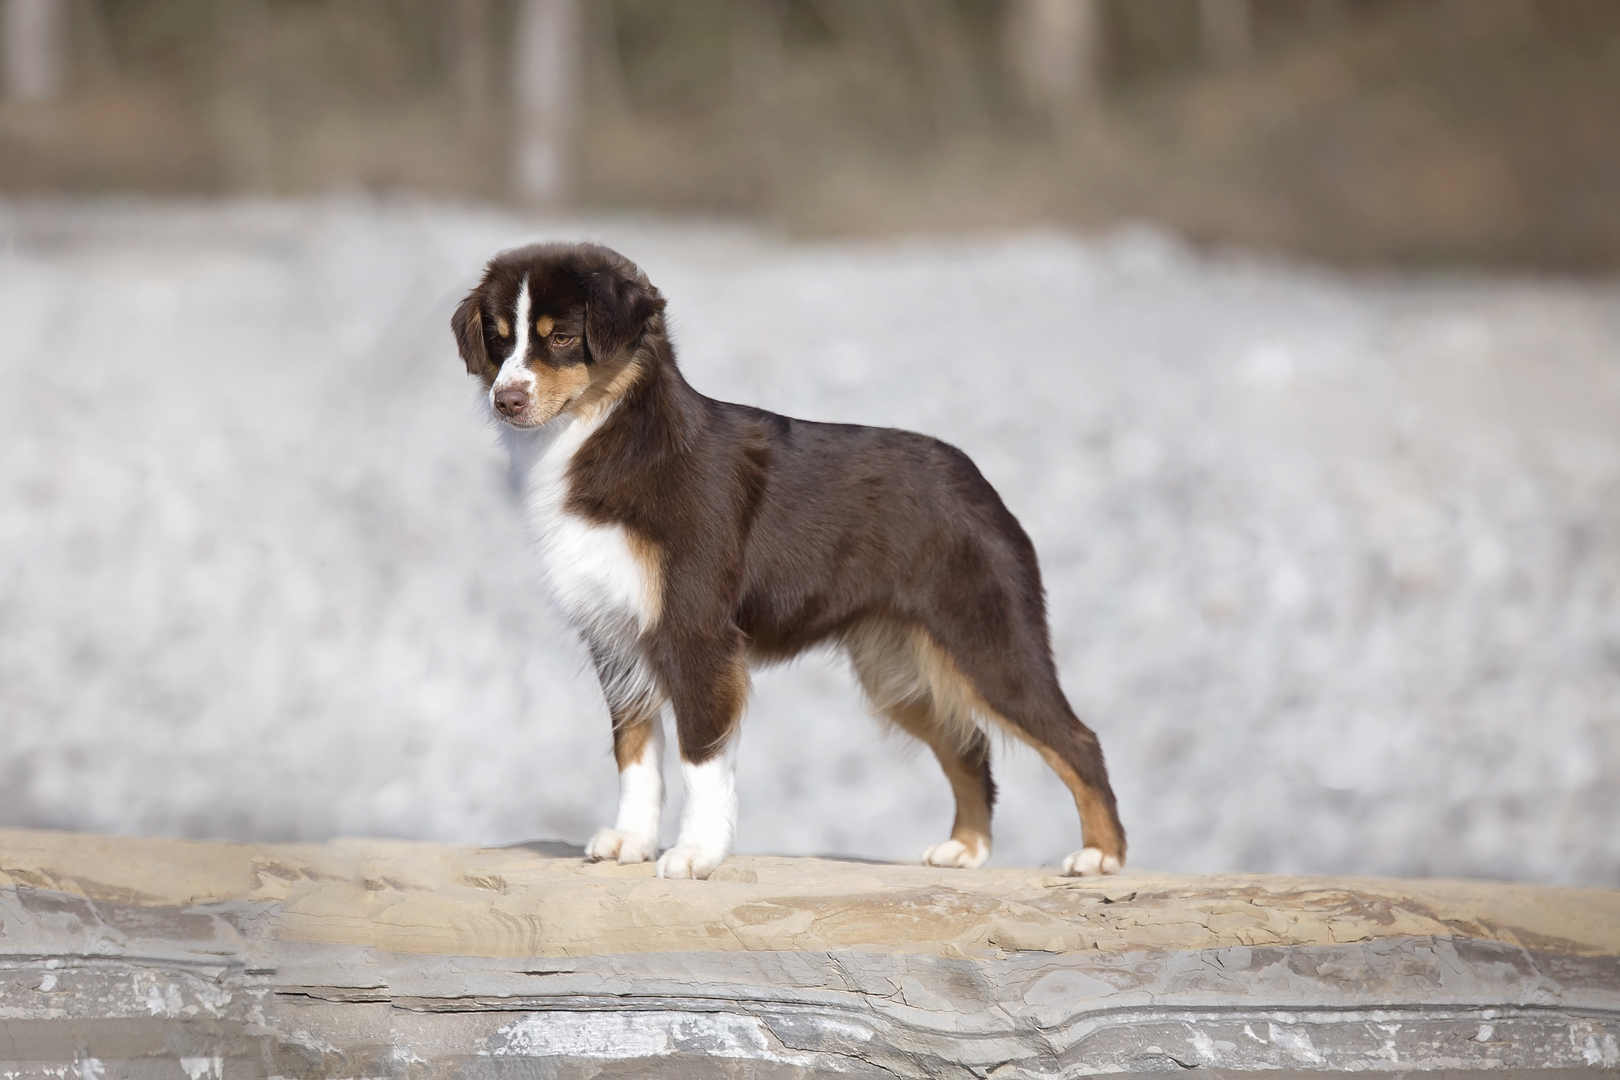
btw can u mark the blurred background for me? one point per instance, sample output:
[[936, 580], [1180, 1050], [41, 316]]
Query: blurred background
[[1363, 131], [1289, 329]]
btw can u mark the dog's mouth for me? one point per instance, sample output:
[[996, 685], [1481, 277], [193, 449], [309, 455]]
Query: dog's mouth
[[526, 423], [534, 414]]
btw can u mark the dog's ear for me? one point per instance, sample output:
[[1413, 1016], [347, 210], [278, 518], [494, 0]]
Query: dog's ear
[[617, 307], [468, 325]]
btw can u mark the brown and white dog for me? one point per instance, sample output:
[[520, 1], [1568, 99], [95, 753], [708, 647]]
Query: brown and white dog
[[687, 538]]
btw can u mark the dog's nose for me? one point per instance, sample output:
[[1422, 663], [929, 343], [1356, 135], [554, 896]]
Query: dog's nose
[[511, 402]]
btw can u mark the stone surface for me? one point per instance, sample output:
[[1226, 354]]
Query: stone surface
[[156, 958]]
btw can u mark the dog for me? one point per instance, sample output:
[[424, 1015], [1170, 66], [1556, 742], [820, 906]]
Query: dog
[[687, 539]]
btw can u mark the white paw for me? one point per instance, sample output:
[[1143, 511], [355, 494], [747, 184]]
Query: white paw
[[1090, 862], [623, 846], [956, 853], [689, 861]]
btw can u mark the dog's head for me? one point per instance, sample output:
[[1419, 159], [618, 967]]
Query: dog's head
[[555, 328]]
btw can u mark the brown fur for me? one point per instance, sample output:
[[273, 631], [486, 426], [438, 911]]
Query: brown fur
[[769, 535]]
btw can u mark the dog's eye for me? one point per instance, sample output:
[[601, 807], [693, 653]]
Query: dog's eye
[[560, 340]]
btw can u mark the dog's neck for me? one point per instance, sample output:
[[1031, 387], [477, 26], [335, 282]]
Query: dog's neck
[[658, 415]]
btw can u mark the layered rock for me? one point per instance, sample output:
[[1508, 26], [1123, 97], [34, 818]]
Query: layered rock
[[125, 957]]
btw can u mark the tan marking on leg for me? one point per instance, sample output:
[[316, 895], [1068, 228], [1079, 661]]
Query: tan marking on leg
[[972, 824], [630, 739], [916, 686], [899, 662], [637, 746], [1096, 823], [964, 707]]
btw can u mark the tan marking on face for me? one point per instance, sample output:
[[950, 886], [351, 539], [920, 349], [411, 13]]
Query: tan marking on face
[[555, 389], [502, 327], [551, 390], [583, 390], [608, 387]]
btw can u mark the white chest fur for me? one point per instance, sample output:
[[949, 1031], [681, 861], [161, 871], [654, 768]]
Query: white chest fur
[[593, 571]]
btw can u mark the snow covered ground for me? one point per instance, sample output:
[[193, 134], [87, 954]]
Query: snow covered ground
[[1333, 562]]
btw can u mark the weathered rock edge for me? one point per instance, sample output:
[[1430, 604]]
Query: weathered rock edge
[[157, 959]]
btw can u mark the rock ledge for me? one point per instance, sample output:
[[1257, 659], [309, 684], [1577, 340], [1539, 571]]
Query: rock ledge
[[196, 961]]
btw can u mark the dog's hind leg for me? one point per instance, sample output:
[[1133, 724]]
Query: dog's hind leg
[[1017, 688], [1024, 698], [968, 770], [891, 663], [1072, 751]]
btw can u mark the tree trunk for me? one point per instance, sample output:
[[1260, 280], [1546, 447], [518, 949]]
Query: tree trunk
[[1327, 14], [546, 99], [757, 63], [1055, 47], [242, 103], [470, 57], [1226, 27], [946, 53], [36, 49]]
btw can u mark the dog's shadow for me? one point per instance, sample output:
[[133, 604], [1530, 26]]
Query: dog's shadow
[[833, 857], [551, 849], [562, 849]]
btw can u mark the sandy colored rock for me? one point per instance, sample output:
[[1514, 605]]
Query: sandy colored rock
[[424, 898]]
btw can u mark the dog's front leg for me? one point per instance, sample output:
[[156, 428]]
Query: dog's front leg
[[709, 820], [706, 721], [639, 747]]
